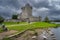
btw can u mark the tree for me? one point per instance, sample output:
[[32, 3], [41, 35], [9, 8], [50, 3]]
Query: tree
[[14, 16], [1, 19], [46, 19]]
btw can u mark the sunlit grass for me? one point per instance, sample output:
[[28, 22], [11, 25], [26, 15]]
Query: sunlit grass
[[11, 23], [24, 25], [31, 26]]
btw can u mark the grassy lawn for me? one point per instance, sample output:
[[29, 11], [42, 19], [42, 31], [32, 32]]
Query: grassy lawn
[[10, 23], [25, 26]]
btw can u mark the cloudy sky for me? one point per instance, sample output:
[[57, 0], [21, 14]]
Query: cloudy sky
[[50, 8]]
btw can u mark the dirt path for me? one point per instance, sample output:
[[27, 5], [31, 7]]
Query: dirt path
[[4, 34], [26, 36], [29, 34]]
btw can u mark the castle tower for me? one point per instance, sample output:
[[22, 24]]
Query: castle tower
[[26, 14], [26, 11]]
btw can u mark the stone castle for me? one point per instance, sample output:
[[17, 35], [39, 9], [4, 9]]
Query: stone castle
[[26, 14]]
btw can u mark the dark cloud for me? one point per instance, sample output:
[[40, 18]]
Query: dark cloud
[[42, 8], [10, 3], [39, 3]]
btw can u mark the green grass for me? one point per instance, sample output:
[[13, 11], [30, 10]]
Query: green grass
[[1, 30], [43, 25], [26, 26], [10, 23], [31, 26]]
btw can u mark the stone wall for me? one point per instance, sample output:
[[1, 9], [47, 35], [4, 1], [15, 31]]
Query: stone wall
[[33, 19]]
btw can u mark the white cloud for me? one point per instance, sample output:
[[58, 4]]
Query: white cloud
[[41, 11], [50, 3], [37, 1], [57, 7]]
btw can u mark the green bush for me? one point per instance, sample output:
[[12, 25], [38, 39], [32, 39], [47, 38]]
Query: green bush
[[1, 19], [46, 19]]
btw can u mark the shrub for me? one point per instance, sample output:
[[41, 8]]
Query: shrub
[[1, 19]]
